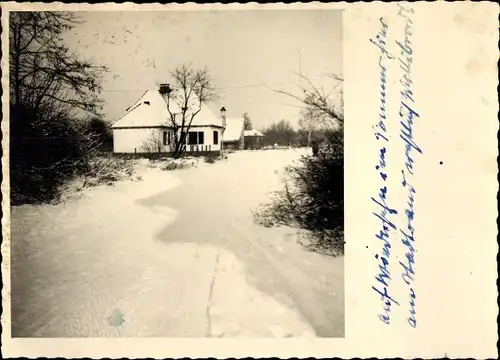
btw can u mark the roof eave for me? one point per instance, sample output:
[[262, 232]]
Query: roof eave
[[140, 127]]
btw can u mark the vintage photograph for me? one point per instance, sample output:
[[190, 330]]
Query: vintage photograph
[[176, 173]]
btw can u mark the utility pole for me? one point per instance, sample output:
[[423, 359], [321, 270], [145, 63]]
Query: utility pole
[[299, 73]]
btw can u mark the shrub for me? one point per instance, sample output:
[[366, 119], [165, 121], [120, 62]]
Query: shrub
[[177, 164], [44, 154], [313, 197], [106, 170], [172, 165], [104, 136], [48, 150], [211, 158]]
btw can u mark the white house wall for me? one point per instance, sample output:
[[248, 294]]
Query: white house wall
[[144, 140], [131, 140], [208, 137]]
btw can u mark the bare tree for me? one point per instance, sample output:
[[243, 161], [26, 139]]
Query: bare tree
[[50, 88], [43, 71], [320, 103], [247, 122], [191, 90]]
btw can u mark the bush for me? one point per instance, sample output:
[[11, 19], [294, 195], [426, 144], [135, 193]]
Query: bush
[[47, 150], [313, 197], [169, 164], [44, 154], [172, 165], [211, 158], [103, 133], [106, 170]]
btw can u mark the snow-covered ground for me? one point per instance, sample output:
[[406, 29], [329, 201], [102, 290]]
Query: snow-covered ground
[[174, 255]]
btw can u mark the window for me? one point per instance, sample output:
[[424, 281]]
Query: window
[[216, 137], [167, 139], [196, 138], [193, 138]]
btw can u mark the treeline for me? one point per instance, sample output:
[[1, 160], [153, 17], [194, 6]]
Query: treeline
[[55, 129], [283, 134]]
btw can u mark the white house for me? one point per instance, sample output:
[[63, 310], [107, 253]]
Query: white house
[[146, 128], [233, 134], [253, 132]]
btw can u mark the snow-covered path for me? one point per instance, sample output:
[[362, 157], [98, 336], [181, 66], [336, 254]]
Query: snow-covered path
[[186, 260]]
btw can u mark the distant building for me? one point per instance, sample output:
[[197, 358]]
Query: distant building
[[233, 134], [252, 138], [146, 128]]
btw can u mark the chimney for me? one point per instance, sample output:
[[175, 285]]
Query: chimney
[[165, 89]]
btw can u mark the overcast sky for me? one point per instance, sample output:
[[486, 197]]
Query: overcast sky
[[241, 49]]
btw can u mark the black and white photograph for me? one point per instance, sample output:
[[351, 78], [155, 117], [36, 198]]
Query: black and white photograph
[[176, 174]]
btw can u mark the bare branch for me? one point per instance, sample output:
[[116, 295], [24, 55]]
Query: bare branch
[[316, 100], [43, 68]]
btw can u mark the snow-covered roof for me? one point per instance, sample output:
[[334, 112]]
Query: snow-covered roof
[[253, 132], [234, 129], [151, 111]]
